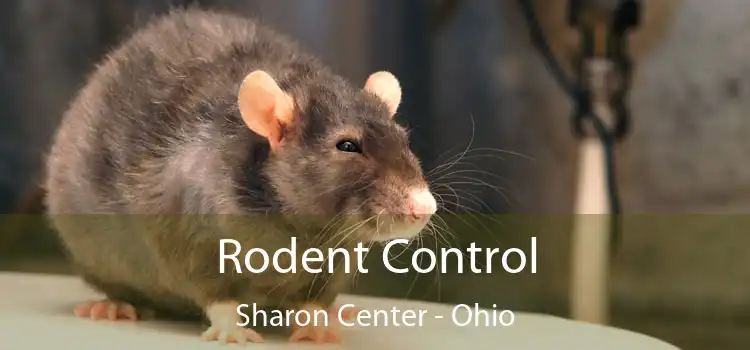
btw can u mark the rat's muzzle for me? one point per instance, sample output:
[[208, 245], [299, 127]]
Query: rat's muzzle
[[422, 205], [417, 209]]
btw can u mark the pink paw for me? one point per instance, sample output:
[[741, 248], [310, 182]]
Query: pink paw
[[232, 334], [106, 310], [347, 314], [320, 333], [316, 333]]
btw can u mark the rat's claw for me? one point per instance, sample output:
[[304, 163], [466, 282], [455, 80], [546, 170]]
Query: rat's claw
[[231, 334], [106, 310]]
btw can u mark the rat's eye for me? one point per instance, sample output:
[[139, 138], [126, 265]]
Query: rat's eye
[[348, 146]]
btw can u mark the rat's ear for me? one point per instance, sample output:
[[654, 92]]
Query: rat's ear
[[384, 85], [265, 108]]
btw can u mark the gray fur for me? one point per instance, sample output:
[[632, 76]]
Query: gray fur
[[152, 164]]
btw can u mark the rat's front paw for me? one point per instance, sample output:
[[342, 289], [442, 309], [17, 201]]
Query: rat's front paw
[[106, 310], [347, 314], [223, 317], [318, 332], [232, 334]]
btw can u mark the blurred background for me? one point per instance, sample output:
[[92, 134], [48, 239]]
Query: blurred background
[[470, 75]]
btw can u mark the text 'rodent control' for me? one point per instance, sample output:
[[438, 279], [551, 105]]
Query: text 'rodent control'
[[423, 260]]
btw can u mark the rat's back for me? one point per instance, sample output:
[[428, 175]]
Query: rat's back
[[158, 103], [146, 136]]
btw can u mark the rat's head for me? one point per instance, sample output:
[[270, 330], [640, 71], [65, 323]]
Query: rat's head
[[337, 154]]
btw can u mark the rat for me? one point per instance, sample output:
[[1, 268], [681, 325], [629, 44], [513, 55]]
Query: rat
[[204, 125]]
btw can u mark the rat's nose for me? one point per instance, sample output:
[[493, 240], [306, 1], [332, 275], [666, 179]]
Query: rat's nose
[[422, 204]]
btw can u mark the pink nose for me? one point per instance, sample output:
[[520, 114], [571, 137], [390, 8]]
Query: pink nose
[[422, 204]]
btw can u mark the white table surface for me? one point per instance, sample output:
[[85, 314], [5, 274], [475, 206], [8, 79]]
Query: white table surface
[[36, 313]]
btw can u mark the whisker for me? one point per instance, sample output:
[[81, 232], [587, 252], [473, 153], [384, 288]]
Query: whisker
[[438, 273], [467, 154], [420, 243], [462, 154], [471, 181], [345, 237], [470, 171]]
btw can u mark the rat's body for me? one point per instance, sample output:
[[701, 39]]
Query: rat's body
[[207, 113]]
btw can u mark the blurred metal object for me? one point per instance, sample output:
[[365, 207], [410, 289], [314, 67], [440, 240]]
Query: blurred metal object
[[591, 12], [591, 237], [603, 26], [601, 120]]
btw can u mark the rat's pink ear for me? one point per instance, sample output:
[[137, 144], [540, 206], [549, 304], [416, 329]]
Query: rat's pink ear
[[265, 108], [384, 85]]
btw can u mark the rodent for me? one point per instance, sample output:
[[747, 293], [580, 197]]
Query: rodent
[[208, 115]]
